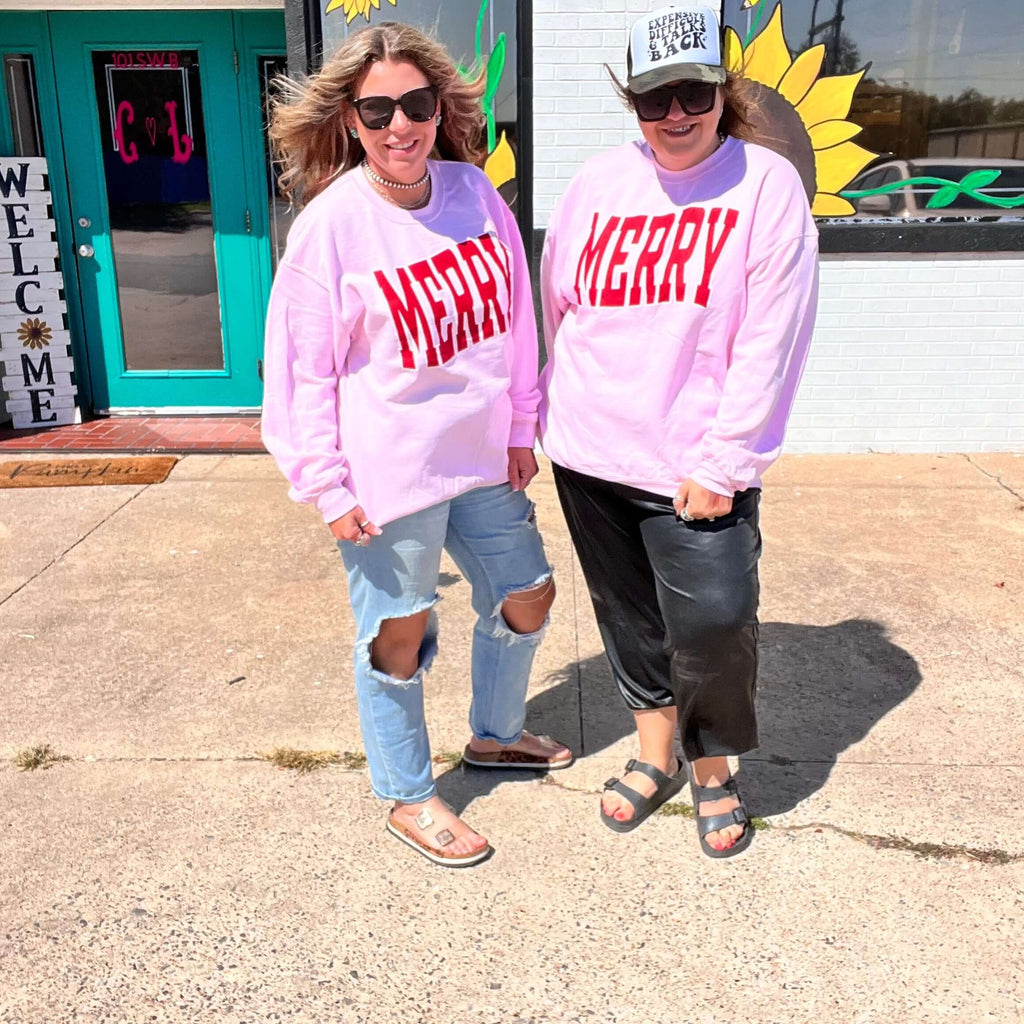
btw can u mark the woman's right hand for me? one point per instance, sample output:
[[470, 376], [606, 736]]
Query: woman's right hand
[[355, 528]]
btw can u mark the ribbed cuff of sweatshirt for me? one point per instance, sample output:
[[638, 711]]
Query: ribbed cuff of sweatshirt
[[523, 433], [333, 504], [712, 478]]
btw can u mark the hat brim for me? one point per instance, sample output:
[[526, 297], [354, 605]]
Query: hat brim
[[676, 73]]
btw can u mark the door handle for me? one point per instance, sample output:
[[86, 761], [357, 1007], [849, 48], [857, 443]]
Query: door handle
[[86, 250]]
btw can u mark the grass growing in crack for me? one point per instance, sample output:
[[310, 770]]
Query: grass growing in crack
[[306, 761], [38, 757], [940, 851], [676, 810], [926, 851], [452, 758]]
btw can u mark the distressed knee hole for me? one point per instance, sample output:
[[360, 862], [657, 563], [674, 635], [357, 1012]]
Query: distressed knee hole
[[525, 612], [418, 653]]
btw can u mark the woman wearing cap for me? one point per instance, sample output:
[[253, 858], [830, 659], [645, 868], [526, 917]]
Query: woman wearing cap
[[679, 285], [401, 399]]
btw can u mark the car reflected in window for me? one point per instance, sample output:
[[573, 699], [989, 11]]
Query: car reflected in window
[[910, 201]]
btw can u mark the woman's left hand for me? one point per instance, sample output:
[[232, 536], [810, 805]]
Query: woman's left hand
[[699, 503], [522, 467]]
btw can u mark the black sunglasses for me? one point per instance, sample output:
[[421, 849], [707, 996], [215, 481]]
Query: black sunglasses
[[376, 112], [694, 98]]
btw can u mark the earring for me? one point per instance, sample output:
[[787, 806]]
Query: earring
[[353, 133], [437, 121]]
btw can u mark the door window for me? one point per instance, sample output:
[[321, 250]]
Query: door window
[[20, 79], [161, 224]]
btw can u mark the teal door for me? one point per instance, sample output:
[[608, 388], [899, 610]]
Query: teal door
[[171, 203]]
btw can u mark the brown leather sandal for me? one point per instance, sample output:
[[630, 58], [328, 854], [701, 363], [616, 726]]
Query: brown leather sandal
[[508, 758], [443, 838]]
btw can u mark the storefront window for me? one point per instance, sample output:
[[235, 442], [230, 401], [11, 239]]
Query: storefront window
[[160, 211], [20, 80], [476, 33], [912, 110]]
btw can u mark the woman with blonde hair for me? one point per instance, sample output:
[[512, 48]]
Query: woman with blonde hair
[[401, 399]]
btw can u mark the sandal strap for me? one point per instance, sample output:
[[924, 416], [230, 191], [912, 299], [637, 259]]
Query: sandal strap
[[658, 777], [425, 820], [716, 822], [726, 789], [635, 798]]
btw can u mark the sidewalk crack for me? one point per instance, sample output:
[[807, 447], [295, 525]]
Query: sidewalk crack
[[928, 851], [53, 561], [995, 477], [922, 850]]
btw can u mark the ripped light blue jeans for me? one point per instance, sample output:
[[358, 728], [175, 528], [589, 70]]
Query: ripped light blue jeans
[[492, 536]]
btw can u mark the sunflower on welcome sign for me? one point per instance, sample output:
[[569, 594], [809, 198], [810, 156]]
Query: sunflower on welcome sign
[[353, 8], [34, 333], [803, 116]]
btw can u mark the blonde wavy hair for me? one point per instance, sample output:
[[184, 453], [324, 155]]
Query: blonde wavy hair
[[310, 140]]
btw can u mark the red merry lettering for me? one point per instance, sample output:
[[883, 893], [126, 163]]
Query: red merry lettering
[[641, 267], [408, 318], [615, 295], [714, 250], [456, 298], [590, 258]]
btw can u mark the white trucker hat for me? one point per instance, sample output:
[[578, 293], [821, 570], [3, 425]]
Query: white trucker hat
[[672, 44]]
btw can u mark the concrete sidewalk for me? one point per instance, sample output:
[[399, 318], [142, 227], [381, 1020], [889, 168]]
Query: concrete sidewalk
[[162, 636]]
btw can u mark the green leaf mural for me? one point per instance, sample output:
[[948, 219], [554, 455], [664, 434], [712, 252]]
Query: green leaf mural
[[948, 191], [500, 164]]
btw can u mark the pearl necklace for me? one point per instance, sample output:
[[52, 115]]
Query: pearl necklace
[[387, 183], [416, 205], [387, 197]]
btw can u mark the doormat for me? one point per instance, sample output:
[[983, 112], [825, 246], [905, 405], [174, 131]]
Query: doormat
[[146, 469]]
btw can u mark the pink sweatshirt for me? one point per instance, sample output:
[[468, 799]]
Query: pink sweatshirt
[[401, 347], [678, 308]]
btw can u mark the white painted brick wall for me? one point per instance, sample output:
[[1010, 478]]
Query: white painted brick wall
[[909, 354], [576, 112], [915, 355]]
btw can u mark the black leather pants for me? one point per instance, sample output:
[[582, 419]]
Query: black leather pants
[[676, 604]]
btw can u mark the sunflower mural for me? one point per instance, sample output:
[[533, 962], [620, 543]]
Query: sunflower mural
[[803, 113], [353, 8]]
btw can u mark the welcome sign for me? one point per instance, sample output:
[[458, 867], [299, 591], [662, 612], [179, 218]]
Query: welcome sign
[[36, 366]]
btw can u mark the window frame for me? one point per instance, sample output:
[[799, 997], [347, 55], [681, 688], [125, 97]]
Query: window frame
[[949, 233]]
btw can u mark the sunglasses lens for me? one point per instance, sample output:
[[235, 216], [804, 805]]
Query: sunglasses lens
[[376, 111], [697, 97], [420, 104], [694, 98], [653, 105]]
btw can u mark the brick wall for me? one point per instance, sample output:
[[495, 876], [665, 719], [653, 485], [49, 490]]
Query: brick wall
[[909, 354], [915, 355]]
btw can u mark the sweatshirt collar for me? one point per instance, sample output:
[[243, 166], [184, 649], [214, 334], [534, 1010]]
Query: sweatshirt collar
[[720, 155]]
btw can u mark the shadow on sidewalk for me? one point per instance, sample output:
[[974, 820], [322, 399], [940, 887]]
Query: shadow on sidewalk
[[821, 689]]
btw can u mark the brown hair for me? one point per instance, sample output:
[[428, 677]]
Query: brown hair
[[307, 126], [740, 104]]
